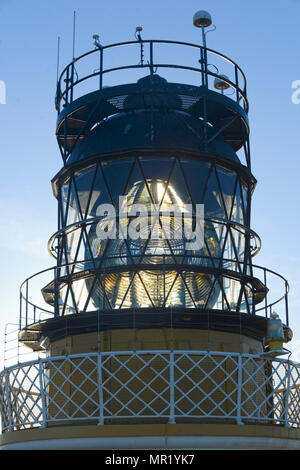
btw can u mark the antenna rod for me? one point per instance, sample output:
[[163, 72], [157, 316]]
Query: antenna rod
[[57, 66], [74, 25]]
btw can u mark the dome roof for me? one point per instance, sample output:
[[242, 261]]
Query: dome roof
[[159, 128]]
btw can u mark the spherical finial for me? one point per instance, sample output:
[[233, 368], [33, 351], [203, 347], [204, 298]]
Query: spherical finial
[[220, 83], [202, 19]]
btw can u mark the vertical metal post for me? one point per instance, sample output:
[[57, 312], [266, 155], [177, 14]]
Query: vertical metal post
[[18, 349], [253, 303], [72, 82], [239, 390], [248, 152], [142, 53], [172, 387], [202, 66], [67, 81], [101, 69], [4, 349], [204, 57], [287, 394], [164, 274], [222, 293], [42, 389], [10, 424], [237, 83], [266, 297], [65, 149], [151, 58], [59, 218], [56, 304], [245, 93], [203, 36], [20, 319], [286, 304], [26, 308], [100, 390]]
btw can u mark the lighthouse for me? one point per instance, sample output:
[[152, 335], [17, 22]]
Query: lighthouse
[[160, 331]]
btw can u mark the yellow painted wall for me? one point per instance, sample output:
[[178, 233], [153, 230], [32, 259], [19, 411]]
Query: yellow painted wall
[[151, 339]]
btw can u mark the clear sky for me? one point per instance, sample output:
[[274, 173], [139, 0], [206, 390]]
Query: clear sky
[[262, 37]]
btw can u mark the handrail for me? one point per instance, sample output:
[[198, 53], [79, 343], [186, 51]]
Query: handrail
[[77, 225], [194, 352], [263, 401], [267, 308], [155, 41], [66, 83]]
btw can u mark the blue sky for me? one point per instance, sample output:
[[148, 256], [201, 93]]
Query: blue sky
[[262, 37]]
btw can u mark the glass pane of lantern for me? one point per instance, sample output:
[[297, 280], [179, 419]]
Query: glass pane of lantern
[[156, 168], [196, 174], [116, 175], [238, 209], [227, 181], [64, 201], [74, 211], [83, 181], [177, 189], [213, 202], [100, 194]]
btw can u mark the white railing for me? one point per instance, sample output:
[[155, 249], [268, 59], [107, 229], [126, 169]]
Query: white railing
[[143, 386]]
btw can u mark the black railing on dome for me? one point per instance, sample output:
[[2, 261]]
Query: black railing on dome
[[70, 78]]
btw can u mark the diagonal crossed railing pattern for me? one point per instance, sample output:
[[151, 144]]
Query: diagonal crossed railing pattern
[[150, 386]]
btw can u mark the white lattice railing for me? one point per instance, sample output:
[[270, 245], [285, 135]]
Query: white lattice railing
[[161, 386]]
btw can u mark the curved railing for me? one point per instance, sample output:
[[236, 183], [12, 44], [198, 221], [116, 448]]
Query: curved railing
[[149, 54], [82, 225], [32, 312], [145, 386]]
